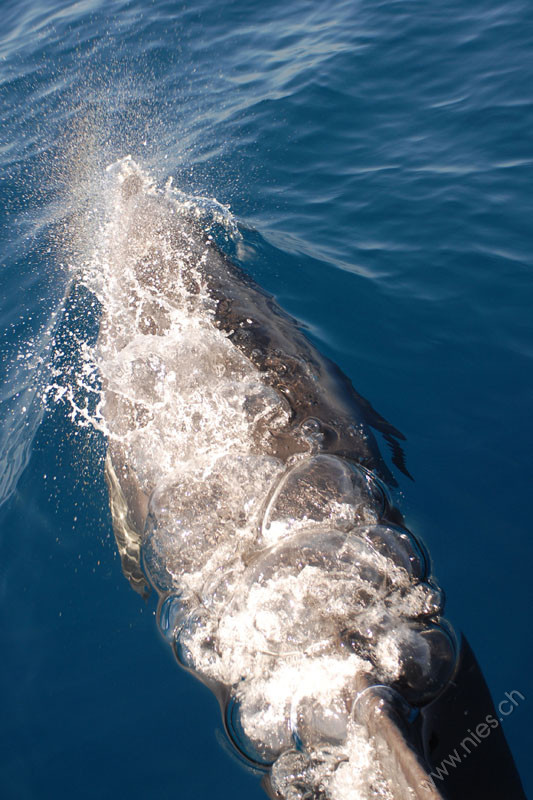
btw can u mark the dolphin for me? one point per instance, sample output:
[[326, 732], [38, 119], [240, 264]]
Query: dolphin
[[248, 490]]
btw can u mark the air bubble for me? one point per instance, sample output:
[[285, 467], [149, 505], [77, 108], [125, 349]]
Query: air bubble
[[205, 515], [194, 645], [312, 430], [323, 489], [377, 699], [427, 659], [260, 750], [220, 588], [311, 426], [315, 724], [423, 600], [398, 545], [302, 592], [171, 614]]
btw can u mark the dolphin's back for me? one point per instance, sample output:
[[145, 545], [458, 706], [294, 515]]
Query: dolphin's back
[[248, 490]]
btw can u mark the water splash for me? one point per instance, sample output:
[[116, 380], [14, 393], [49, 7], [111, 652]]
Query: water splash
[[282, 582]]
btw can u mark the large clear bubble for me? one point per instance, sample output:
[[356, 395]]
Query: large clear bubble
[[303, 592], [259, 742], [195, 645], [317, 723], [398, 545], [424, 657], [205, 514], [322, 490], [376, 699]]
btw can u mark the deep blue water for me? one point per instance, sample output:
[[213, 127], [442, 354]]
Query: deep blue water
[[378, 157]]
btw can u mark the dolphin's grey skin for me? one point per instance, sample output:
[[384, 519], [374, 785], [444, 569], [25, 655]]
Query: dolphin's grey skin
[[321, 401]]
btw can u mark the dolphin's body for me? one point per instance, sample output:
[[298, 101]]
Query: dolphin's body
[[244, 476]]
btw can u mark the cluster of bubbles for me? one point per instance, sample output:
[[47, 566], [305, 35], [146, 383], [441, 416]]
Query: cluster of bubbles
[[333, 598], [284, 586]]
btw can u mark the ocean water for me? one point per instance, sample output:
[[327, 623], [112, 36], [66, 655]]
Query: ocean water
[[377, 159]]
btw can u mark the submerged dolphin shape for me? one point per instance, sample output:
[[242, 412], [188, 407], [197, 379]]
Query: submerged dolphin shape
[[247, 488]]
